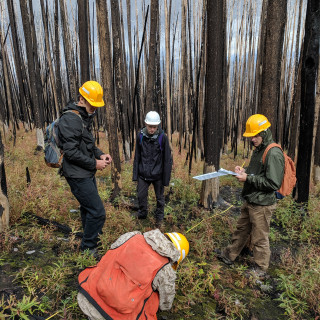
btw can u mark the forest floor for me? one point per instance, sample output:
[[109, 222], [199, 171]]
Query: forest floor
[[40, 258]]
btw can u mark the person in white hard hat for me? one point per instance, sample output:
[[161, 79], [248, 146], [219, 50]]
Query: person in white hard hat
[[152, 165]]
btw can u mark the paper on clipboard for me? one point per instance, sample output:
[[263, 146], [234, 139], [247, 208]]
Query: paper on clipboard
[[215, 174]]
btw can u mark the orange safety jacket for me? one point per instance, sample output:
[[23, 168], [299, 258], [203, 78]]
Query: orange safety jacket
[[120, 285]]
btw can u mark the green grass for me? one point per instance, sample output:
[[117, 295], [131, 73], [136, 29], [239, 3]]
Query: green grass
[[206, 288]]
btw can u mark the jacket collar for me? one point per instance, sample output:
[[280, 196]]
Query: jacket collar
[[266, 139], [147, 135], [72, 105]]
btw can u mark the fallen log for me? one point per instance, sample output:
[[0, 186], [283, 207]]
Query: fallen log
[[46, 222]]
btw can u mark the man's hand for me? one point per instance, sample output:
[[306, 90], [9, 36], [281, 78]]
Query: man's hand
[[241, 176], [106, 157], [101, 164], [239, 169]]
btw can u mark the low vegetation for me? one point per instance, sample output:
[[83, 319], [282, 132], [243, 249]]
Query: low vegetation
[[39, 263]]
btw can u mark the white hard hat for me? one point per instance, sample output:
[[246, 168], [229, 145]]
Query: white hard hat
[[152, 118]]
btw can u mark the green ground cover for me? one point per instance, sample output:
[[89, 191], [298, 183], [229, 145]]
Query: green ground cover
[[39, 264]]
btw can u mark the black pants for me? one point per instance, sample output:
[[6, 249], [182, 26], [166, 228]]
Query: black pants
[[142, 191], [92, 211]]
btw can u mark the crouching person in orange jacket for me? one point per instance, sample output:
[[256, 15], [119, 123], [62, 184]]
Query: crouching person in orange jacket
[[134, 278]]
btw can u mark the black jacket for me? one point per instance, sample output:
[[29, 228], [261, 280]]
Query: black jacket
[[77, 143], [152, 162]]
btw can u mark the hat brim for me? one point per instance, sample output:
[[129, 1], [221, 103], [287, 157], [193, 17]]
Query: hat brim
[[152, 123], [96, 104]]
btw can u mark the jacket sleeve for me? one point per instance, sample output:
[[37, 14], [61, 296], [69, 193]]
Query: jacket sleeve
[[164, 283], [137, 157], [167, 161], [70, 135], [97, 152], [274, 171]]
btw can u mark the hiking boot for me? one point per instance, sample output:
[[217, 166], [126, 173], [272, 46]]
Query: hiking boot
[[139, 215], [257, 272], [222, 257]]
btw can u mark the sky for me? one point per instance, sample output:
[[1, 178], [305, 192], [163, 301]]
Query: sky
[[235, 11]]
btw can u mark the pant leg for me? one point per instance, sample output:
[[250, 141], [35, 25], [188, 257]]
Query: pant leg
[[159, 191], [241, 235], [142, 192], [83, 214], [260, 217], [92, 209]]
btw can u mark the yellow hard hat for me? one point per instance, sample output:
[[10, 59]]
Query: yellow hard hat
[[256, 124], [92, 92], [181, 243]]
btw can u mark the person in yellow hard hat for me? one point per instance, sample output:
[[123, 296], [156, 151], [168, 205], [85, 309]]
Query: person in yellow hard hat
[[81, 160], [261, 180], [134, 278]]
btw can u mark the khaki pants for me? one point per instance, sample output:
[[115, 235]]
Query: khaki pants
[[255, 221]]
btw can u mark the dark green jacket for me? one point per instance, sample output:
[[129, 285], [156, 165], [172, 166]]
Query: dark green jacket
[[264, 179]]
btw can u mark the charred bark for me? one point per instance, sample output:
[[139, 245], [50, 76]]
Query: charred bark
[[213, 98], [83, 40], [4, 202], [60, 94], [310, 63], [271, 62], [49, 60], [107, 83], [18, 61], [32, 62], [121, 100], [151, 74], [68, 53]]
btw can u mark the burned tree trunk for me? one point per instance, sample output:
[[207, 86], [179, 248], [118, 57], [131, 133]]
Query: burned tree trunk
[[151, 74], [7, 84], [316, 142], [60, 93], [202, 71], [271, 62], [182, 74], [120, 81], [136, 98], [131, 75], [32, 62], [168, 93], [107, 82], [4, 203], [213, 100], [310, 62], [83, 40], [70, 69], [51, 71], [18, 60]]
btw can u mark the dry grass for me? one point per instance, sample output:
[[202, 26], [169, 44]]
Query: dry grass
[[202, 279]]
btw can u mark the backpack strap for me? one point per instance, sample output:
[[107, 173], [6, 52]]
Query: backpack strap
[[78, 114], [271, 145], [75, 112], [159, 139]]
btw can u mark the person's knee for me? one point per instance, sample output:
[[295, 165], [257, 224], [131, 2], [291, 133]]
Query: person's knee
[[260, 243]]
